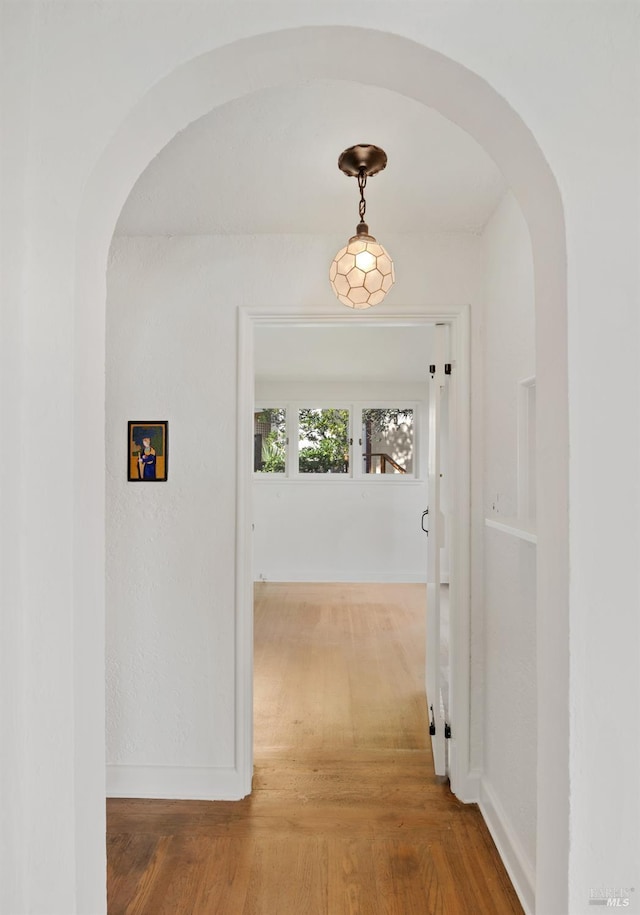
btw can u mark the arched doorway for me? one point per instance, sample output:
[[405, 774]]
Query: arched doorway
[[315, 53]]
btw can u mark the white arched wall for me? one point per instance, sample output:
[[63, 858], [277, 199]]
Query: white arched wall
[[188, 93]]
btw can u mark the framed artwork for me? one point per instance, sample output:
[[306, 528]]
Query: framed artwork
[[147, 452]]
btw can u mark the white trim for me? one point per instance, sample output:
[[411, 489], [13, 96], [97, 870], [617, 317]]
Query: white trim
[[202, 783], [517, 863], [458, 317], [244, 555], [338, 479], [351, 576], [513, 526], [459, 572], [470, 789], [525, 459]]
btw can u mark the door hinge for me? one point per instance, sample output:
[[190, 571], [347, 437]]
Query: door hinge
[[447, 368], [432, 724], [432, 369], [447, 730]]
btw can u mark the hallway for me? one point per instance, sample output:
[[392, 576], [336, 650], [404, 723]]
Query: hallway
[[346, 816]]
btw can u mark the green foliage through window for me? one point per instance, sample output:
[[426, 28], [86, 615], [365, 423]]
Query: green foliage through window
[[270, 440], [323, 437], [322, 444]]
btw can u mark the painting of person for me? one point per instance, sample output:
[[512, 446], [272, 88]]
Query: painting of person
[[147, 461], [147, 452]]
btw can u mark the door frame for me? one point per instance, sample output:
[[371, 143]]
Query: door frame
[[464, 780]]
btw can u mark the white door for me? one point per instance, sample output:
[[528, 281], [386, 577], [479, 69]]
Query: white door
[[433, 522]]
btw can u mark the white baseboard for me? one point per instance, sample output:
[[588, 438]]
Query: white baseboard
[[202, 783], [351, 576], [469, 790], [515, 860]]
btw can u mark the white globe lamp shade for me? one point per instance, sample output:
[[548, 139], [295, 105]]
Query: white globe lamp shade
[[361, 273]]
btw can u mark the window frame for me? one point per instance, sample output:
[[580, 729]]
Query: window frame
[[355, 409], [414, 406]]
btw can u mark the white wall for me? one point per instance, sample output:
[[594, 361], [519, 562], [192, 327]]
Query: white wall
[[171, 354], [170, 598], [509, 776], [60, 209], [16, 51], [343, 529], [339, 531]]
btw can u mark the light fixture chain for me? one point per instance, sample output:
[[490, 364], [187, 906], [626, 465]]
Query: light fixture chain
[[362, 183], [362, 273]]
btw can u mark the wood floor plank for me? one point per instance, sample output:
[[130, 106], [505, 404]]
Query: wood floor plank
[[142, 899], [346, 816], [119, 863], [475, 857], [129, 861], [175, 882], [288, 876], [229, 864], [351, 876]]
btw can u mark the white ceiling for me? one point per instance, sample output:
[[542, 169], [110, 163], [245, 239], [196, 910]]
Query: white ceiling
[[267, 163], [347, 353]]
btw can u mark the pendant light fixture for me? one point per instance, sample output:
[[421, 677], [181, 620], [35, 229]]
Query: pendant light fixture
[[362, 273]]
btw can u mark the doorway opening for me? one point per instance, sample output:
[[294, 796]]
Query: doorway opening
[[270, 504], [447, 86]]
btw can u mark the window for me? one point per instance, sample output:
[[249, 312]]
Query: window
[[357, 441], [323, 440], [387, 440], [270, 440]]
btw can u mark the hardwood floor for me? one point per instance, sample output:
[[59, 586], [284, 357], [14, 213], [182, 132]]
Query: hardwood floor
[[346, 816]]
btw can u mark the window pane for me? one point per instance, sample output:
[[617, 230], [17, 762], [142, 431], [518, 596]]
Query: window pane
[[323, 441], [387, 440], [270, 440]]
